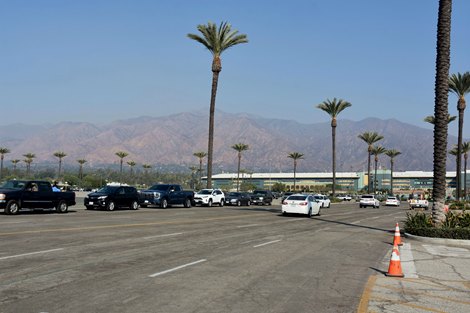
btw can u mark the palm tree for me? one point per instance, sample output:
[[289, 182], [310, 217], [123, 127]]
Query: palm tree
[[376, 151], [441, 112], [216, 40], [454, 151], [60, 155], [146, 167], [295, 156], [201, 155], [121, 155], [3, 151], [80, 170], [370, 138], [239, 147], [131, 166], [28, 160], [15, 162], [333, 108], [465, 150], [430, 119], [392, 153], [459, 84]]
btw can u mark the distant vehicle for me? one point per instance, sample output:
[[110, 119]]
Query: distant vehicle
[[301, 204], [324, 200], [369, 200], [208, 197], [393, 201], [418, 201], [238, 198], [285, 195], [344, 197], [165, 195], [16, 195], [112, 197], [262, 197]]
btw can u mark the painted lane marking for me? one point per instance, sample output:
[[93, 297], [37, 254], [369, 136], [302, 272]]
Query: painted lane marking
[[356, 222], [177, 268], [165, 235], [31, 253], [5, 223], [407, 261], [266, 243], [251, 225]]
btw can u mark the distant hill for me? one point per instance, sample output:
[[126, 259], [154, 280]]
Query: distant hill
[[172, 140]]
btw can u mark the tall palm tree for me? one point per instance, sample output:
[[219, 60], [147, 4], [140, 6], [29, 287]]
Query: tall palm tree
[[15, 162], [3, 151], [441, 113], [216, 40], [239, 147], [370, 138], [146, 167], [28, 160], [465, 150], [131, 166], [333, 108], [121, 155], [459, 84], [60, 155], [392, 153], [376, 151], [200, 155], [295, 156], [430, 119], [80, 170]]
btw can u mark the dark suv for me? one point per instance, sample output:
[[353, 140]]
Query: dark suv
[[112, 197], [262, 197]]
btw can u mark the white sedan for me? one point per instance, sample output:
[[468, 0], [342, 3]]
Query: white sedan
[[301, 204], [392, 201], [325, 202]]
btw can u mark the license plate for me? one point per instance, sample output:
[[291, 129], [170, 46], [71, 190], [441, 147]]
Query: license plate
[[146, 201], [90, 203]]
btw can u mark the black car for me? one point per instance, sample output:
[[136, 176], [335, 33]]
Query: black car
[[262, 197], [238, 198], [112, 197]]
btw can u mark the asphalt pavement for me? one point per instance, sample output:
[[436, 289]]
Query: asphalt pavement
[[437, 279]]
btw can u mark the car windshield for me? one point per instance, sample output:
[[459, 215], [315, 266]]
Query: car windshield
[[159, 187], [391, 198], [108, 189], [367, 197], [234, 194], [13, 184], [299, 198], [205, 192], [318, 197]]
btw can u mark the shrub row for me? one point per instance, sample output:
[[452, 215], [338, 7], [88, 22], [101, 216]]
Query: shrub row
[[456, 226]]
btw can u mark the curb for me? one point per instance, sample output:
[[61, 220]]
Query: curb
[[444, 241]]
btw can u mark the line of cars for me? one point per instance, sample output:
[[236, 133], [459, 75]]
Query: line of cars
[[373, 201]]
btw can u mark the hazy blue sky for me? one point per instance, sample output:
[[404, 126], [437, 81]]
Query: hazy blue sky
[[103, 60]]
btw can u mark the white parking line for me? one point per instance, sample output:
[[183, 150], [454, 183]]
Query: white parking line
[[31, 253], [266, 243], [407, 261], [177, 268], [251, 225], [165, 235]]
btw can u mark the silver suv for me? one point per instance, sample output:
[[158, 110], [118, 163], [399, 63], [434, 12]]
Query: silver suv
[[369, 200]]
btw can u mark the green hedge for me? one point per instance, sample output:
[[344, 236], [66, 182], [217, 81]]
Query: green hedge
[[448, 233], [456, 226]]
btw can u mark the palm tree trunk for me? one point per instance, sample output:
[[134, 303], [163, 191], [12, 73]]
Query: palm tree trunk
[[465, 178], [210, 148], [459, 153], [375, 176], [391, 177], [441, 110], [368, 174], [1, 166], [60, 168], [333, 140], [295, 169], [200, 170], [238, 172]]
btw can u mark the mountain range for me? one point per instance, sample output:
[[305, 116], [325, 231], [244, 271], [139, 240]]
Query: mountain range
[[172, 140]]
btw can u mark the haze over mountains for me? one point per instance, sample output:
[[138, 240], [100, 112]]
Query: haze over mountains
[[172, 140]]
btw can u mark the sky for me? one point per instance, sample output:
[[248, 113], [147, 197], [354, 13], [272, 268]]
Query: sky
[[103, 60]]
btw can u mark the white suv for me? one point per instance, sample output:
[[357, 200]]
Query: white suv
[[209, 197], [369, 200]]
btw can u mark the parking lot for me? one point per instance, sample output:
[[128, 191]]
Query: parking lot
[[217, 259]]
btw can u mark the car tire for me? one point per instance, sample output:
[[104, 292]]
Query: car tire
[[12, 207], [318, 214], [221, 203], [269, 203], [164, 204], [329, 204], [110, 206], [187, 203], [239, 203], [209, 203], [62, 207], [248, 203], [134, 205]]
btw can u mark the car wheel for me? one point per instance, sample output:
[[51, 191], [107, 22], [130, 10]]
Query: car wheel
[[269, 203], [62, 207], [209, 204], [284, 213], [329, 204], [318, 214], [187, 203], [222, 202], [164, 204], [110, 206], [134, 205], [12, 207], [239, 203], [248, 203]]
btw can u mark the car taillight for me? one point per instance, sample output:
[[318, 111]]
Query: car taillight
[[284, 202], [303, 203]]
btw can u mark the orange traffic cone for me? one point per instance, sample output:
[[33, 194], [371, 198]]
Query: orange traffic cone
[[394, 269], [397, 237]]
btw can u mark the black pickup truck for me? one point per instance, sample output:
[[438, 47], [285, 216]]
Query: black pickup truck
[[16, 195], [164, 195]]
